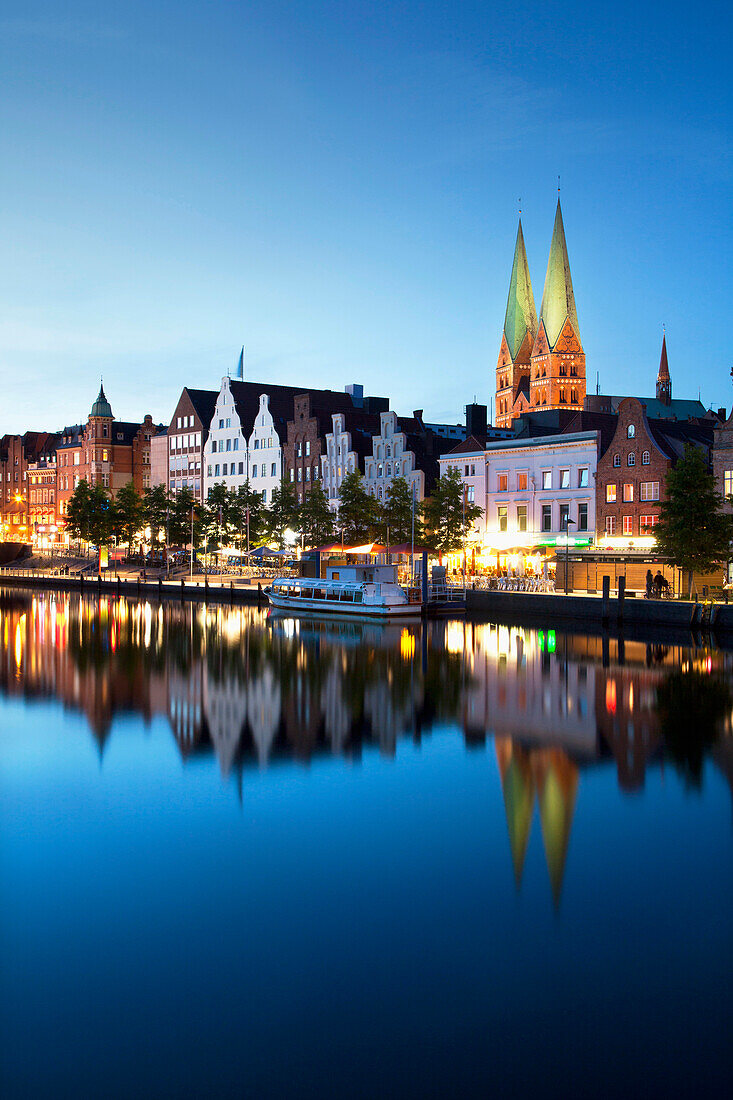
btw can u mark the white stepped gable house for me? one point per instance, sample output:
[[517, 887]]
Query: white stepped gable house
[[338, 461], [391, 458], [528, 490], [231, 458]]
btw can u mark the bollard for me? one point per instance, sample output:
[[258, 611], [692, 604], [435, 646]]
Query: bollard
[[604, 650], [259, 593], [621, 594], [160, 587], [183, 585], [118, 586], [605, 599]]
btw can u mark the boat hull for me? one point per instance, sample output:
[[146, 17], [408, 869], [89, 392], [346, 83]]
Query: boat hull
[[342, 608]]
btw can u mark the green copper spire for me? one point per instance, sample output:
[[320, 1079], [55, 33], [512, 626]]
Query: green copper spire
[[101, 406], [558, 300], [521, 314]]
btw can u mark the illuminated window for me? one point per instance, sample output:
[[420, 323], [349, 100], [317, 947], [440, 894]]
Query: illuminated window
[[628, 527], [547, 479], [503, 483], [610, 494], [728, 482], [647, 522], [650, 490], [502, 512], [610, 525], [521, 517], [628, 493], [521, 483]]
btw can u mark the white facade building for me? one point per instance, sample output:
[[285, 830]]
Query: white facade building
[[391, 458], [230, 457], [338, 461], [529, 488]]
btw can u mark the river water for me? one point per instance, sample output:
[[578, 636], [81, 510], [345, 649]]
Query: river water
[[243, 855]]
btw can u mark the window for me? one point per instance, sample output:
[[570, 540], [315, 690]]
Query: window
[[473, 469], [257, 444], [521, 517], [307, 473], [628, 492], [273, 470], [216, 470], [546, 517], [582, 517], [208, 471], [631, 459], [645, 458], [630, 431], [503, 483], [221, 423], [617, 460], [564, 516], [264, 495], [610, 494], [106, 459], [300, 450], [236, 443], [522, 483], [470, 494], [649, 490], [292, 474], [727, 483], [565, 479], [224, 470], [502, 512], [213, 446], [647, 522], [229, 422], [229, 444], [583, 478], [254, 470], [610, 525], [628, 525], [241, 468], [547, 479], [180, 421], [307, 447], [300, 474], [465, 470]]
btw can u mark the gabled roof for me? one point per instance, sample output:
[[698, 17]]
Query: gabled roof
[[558, 300], [603, 423], [521, 315], [204, 402]]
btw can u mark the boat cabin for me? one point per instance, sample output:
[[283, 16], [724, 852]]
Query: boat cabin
[[358, 574]]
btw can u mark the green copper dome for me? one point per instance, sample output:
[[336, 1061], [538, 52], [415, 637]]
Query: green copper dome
[[101, 406]]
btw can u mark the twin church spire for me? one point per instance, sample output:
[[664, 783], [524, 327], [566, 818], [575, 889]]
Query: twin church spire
[[541, 361]]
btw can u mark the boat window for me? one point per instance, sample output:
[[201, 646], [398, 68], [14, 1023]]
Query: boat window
[[333, 594], [295, 591], [348, 594], [307, 593], [359, 597]]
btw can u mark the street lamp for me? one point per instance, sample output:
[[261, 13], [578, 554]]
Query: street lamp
[[568, 521]]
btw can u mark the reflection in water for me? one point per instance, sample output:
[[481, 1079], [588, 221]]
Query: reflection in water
[[253, 688]]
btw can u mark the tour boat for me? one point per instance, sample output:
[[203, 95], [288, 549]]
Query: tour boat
[[363, 590]]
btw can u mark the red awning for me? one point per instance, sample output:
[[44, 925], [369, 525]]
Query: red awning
[[407, 548]]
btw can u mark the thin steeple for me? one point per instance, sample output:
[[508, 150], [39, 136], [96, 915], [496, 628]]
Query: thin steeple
[[664, 381], [521, 315], [558, 300]]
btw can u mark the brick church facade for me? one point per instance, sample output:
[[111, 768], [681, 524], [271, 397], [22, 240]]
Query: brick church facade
[[541, 363]]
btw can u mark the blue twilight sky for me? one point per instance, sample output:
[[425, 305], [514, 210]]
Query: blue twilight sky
[[334, 184]]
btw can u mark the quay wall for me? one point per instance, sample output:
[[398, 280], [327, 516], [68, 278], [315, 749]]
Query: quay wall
[[150, 589]]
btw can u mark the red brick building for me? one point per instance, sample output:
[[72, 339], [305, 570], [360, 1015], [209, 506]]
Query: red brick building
[[632, 471], [104, 452], [541, 363], [17, 454]]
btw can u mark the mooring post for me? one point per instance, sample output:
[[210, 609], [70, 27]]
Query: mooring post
[[605, 598], [621, 594]]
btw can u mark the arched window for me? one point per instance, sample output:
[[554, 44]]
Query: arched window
[[645, 458], [630, 431], [397, 469], [574, 397], [387, 451], [631, 459], [617, 460]]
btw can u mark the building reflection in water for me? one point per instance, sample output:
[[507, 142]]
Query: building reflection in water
[[252, 688]]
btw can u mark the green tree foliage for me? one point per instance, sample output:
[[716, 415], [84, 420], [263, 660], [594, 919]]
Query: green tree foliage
[[221, 517], [448, 518], [317, 521], [693, 531], [283, 511], [248, 504], [179, 518], [157, 508], [89, 513], [359, 514], [397, 512], [127, 521]]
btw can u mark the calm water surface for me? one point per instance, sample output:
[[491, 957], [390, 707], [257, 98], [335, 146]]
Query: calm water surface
[[249, 856]]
